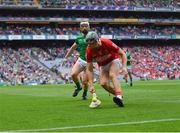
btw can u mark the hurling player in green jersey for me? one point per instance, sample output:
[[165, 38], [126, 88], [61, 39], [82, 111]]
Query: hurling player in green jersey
[[129, 67], [80, 65]]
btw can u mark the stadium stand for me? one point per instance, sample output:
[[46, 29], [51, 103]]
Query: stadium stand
[[156, 62], [74, 30], [18, 3], [64, 3], [33, 65], [135, 3], [34, 42]]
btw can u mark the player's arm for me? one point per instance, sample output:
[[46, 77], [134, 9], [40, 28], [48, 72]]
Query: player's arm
[[90, 76], [70, 51], [124, 59], [89, 70]]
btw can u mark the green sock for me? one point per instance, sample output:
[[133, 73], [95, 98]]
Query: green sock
[[126, 80], [78, 85], [85, 90]]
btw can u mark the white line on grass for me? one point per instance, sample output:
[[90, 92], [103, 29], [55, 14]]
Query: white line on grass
[[97, 125]]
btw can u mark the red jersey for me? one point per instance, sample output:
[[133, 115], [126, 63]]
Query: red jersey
[[103, 54]]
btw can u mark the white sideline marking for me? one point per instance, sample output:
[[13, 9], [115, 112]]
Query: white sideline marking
[[97, 125]]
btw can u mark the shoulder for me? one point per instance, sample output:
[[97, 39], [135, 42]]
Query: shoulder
[[105, 40], [80, 36]]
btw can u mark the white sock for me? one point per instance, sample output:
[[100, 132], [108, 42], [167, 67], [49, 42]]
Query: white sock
[[119, 96]]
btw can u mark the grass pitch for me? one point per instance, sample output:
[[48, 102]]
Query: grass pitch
[[149, 106]]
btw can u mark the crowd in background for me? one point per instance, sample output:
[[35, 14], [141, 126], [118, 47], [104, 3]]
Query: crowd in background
[[156, 62], [20, 66], [42, 65], [17, 3], [64, 3], [74, 30], [135, 3]]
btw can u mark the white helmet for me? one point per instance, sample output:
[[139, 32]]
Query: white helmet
[[92, 35]]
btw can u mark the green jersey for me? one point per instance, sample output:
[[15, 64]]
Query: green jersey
[[81, 46], [128, 55]]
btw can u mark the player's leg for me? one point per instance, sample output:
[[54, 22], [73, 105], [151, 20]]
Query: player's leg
[[105, 82], [75, 72], [84, 81], [113, 74], [130, 74], [130, 77], [126, 79]]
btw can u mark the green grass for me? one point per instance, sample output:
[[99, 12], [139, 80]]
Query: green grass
[[52, 106]]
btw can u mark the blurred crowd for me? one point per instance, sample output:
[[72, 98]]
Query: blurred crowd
[[64, 3], [18, 66], [74, 30], [42, 65], [156, 62], [135, 3], [18, 2], [29, 65]]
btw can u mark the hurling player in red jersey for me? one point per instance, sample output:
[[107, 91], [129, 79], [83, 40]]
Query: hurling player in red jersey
[[108, 56]]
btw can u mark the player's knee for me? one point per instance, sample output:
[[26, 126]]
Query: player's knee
[[85, 83], [74, 75]]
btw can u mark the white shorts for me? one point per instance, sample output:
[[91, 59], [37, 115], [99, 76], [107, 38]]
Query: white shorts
[[82, 63], [106, 67], [129, 68]]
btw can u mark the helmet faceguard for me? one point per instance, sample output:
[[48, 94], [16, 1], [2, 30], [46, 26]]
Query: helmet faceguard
[[92, 37]]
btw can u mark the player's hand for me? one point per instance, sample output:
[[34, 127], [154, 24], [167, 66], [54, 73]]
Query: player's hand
[[64, 61], [92, 89]]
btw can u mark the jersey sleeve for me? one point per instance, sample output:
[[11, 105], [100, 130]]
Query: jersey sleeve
[[110, 45], [88, 56], [76, 40]]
